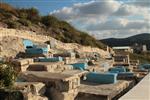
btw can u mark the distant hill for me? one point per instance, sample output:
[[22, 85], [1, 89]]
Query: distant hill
[[143, 38], [30, 19]]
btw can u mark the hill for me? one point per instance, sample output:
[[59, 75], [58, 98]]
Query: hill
[[143, 38], [30, 20]]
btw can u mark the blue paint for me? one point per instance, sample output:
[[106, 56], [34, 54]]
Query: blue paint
[[81, 69], [102, 78], [117, 70], [119, 66], [127, 69], [27, 43], [35, 51], [80, 66], [53, 59], [127, 74], [45, 50], [113, 71], [145, 66]]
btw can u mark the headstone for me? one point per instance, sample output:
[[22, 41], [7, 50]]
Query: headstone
[[144, 48]]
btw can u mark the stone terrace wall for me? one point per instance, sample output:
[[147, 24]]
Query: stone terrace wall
[[23, 34], [41, 38]]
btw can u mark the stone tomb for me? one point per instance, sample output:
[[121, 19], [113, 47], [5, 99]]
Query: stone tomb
[[61, 82], [22, 64], [93, 91], [59, 86], [45, 66]]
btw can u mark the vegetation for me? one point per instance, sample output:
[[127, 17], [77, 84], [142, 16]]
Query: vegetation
[[12, 24], [141, 39], [7, 75], [144, 57], [30, 19]]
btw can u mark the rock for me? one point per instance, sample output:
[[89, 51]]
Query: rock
[[11, 46], [22, 62], [30, 96], [36, 88], [69, 95], [21, 65]]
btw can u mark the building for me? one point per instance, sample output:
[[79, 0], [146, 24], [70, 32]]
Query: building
[[144, 48], [121, 60], [123, 49], [139, 48]]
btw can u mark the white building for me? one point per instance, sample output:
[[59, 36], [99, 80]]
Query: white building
[[123, 49], [144, 48]]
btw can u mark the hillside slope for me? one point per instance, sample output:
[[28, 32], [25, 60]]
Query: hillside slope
[[31, 20], [143, 38]]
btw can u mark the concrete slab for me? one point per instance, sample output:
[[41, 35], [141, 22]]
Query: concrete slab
[[103, 91], [140, 92], [44, 66], [78, 73], [47, 76]]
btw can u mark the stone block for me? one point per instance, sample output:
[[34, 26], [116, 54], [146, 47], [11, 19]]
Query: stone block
[[30, 96], [44, 66], [21, 62], [36, 88], [69, 95], [65, 67]]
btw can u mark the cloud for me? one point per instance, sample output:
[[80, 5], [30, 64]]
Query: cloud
[[93, 9], [126, 10], [117, 33], [119, 24], [142, 3], [97, 8], [108, 18]]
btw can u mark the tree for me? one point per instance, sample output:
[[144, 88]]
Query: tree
[[50, 21], [31, 14]]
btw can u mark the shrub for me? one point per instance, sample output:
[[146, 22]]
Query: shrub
[[49, 21], [143, 58], [24, 22], [7, 15], [12, 24], [7, 75]]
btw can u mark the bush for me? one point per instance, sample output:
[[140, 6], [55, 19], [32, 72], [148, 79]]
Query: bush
[[7, 75], [49, 21], [143, 58], [7, 15], [24, 22], [12, 24]]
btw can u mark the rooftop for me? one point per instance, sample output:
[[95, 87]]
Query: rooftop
[[122, 47]]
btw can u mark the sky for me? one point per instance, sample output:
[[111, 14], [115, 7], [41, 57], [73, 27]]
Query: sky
[[99, 18]]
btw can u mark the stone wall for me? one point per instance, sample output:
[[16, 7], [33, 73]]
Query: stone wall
[[23, 34], [41, 38]]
